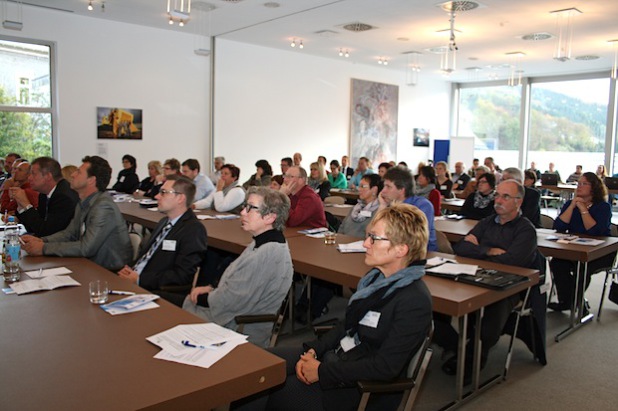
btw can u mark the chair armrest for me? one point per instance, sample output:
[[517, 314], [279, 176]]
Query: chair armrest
[[252, 319], [386, 386]]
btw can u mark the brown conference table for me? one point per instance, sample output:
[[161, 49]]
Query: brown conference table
[[61, 352], [457, 229]]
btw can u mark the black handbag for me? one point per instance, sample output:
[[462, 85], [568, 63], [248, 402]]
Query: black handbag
[[613, 292]]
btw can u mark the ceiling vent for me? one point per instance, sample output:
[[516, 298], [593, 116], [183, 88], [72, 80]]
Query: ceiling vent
[[458, 6], [587, 57], [358, 27], [537, 36]]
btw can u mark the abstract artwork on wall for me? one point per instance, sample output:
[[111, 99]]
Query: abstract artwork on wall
[[421, 137], [373, 121], [119, 123]]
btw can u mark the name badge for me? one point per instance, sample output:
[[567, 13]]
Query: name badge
[[459, 181], [365, 213], [169, 245], [347, 343], [82, 229], [121, 179], [370, 319], [443, 187]]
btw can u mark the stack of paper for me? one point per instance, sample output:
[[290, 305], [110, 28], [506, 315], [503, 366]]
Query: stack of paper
[[453, 269], [218, 217], [200, 345], [355, 247], [134, 303], [48, 272], [44, 284], [314, 232]]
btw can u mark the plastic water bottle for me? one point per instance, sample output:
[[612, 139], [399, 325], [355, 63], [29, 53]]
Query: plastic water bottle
[[11, 251]]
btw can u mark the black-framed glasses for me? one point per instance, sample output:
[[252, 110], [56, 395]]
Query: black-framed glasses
[[506, 197], [248, 207], [164, 192], [373, 238], [290, 176]]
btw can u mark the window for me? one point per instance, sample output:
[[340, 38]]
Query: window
[[491, 115], [25, 98]]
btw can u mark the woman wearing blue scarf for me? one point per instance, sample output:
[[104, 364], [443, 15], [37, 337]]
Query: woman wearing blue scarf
[[386, 322]]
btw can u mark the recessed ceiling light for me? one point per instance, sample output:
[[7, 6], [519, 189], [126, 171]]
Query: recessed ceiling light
[[537, 36], [473, 58], [587, 57], [272, 4], [403, 39]]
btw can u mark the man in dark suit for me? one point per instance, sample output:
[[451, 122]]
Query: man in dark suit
[[177, 245], [346, 170], [57, 200]]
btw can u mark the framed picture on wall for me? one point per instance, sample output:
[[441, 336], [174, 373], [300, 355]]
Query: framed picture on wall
[[119, 123], [421, 137], [373, 121]]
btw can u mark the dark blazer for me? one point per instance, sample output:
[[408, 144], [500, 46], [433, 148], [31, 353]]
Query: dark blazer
[[52, 215], [384, 351], [127, 181], [175, 267], [348, 172], [531, 206]]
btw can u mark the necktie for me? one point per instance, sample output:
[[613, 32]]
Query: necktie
[[141, 263]]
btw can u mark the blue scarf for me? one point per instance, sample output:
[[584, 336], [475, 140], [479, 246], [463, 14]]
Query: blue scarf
[[374, 280]]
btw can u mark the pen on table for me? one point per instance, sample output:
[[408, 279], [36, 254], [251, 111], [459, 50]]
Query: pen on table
[[116, 292], [40, 272], [188, 343]]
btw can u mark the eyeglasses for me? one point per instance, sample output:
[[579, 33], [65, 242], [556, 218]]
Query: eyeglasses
[[583, 183], [505, 197], [373, 238], [290, 176], [363, 186], [164, 192], [248, 207]]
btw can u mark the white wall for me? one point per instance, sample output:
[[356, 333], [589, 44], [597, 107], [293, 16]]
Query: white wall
[[271, 103], [107, 64]]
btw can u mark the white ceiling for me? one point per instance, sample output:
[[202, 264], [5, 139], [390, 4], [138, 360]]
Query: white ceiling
[[486, 33]]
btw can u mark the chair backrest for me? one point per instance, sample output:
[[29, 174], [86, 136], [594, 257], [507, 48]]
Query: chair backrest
[[444, 245], [334, 200], [614, 230], [547, 221], [136, 240]]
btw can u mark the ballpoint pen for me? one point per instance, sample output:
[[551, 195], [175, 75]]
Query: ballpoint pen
[[115, 292], [188, 343]]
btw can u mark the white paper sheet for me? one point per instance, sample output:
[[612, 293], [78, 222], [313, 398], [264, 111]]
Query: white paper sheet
[[48, 272], [454, 269]]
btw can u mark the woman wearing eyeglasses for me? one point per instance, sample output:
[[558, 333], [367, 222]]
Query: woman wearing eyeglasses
[[229, 196], [587, 213], [480, 204], [386, 321]]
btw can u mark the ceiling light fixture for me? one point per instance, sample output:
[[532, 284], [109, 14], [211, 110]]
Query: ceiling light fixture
[[448, 62], [179, 10], [383, 61], [301, 45], [412, 68], [344, 53], [90, 7], [564, 28], [293, 43], [614, 44], [516, 71]]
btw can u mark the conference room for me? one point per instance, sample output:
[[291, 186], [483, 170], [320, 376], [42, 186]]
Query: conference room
[[255, 96]]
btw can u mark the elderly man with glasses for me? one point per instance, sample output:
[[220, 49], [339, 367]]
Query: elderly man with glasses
[[177, 245], [306, 206], [505, 237], [259, 279]]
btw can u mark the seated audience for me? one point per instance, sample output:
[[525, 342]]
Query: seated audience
[[336, 178], [399, 187], [493, 168], [506, 238], [359, 173], [97, 231], [601, 172], [426, 187], [67, 172], [56, 199], [443, 179], [19, 179], [471, 186], [318, 180], [306, 208], [346, 170], [325, 375], [460, 178], [171, 167], [286, 162], [322, 161], [259, 279], [531, 204], [276, 182], [480, 204], [127, 181], [154, 169], [262, 175], [587, 213], [298, 158], [535, 170], [552, 170], [177, 245], [228, 196], [530, 179], [574, 178], [203, 185], [475, 164], [383, 168]]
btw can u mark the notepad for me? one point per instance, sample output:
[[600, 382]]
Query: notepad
[[355, 247], [48, 272], [44, 284], [131, 304]]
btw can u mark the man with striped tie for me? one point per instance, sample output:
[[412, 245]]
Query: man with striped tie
[[177, 245]]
